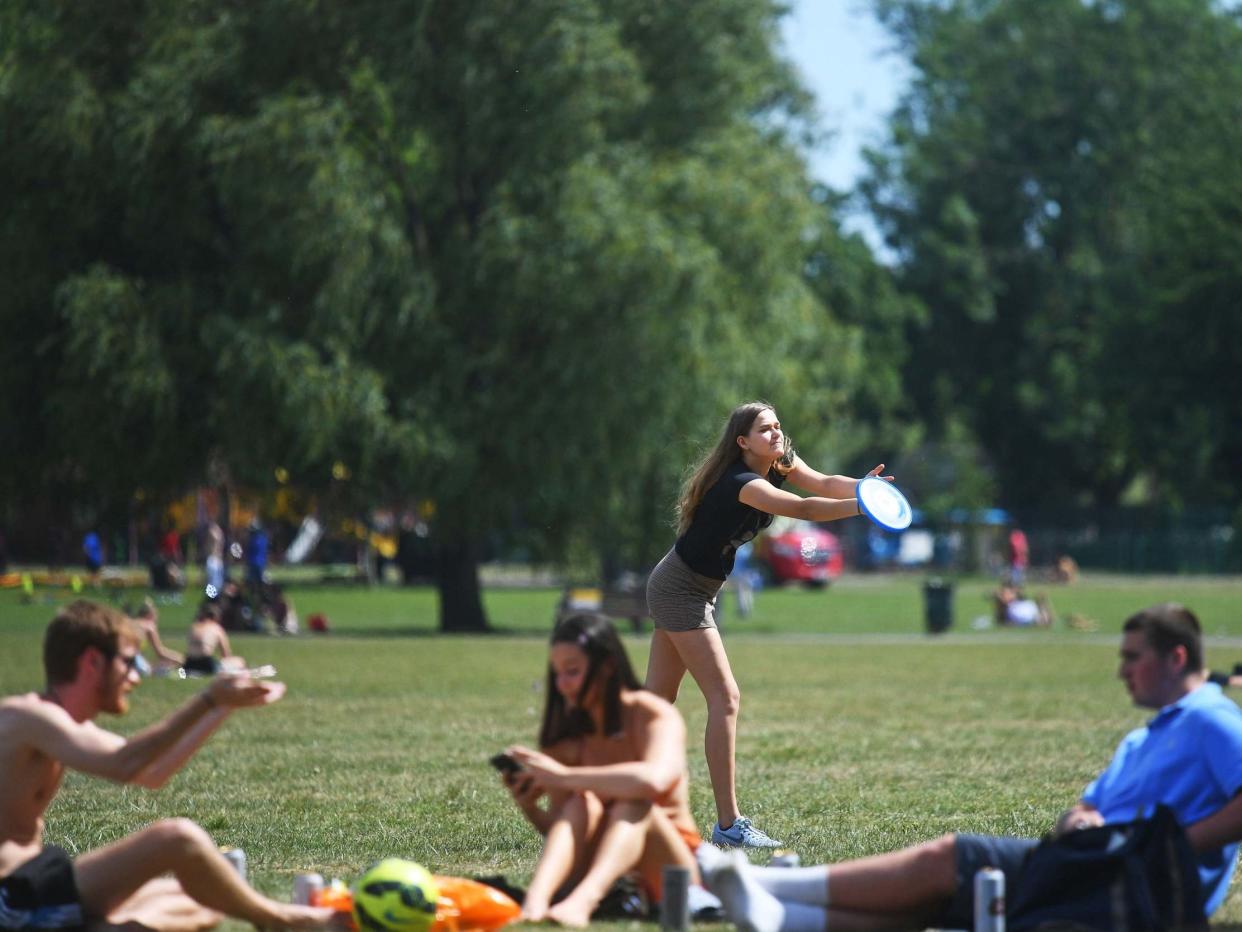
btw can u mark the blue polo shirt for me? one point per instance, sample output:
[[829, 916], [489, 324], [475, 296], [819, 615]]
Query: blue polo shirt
[[1189, 757]]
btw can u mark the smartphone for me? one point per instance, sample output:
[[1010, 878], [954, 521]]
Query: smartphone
[[505, 764]]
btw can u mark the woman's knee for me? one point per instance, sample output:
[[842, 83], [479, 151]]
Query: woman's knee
[[630, 810], [725, 699], [581, 809]]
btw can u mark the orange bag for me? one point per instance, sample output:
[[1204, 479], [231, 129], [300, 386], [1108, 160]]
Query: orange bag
[[464, 905], [470, 906]]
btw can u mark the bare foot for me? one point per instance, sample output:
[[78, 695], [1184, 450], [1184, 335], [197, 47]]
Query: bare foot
[[568, 913], [534, 911]]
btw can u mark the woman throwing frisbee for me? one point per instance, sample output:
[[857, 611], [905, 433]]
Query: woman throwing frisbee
[[731, 495]]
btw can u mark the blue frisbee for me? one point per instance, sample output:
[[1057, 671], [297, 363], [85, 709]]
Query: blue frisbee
[[884, 504]]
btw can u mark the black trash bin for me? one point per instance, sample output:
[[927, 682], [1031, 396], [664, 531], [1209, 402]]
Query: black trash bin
[[938, 605]]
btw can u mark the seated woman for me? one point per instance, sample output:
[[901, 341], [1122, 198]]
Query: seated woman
[[147, 621], [206, 637], [613, 768]]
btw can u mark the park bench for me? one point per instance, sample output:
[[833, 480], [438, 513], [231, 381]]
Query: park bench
[[615, 602]]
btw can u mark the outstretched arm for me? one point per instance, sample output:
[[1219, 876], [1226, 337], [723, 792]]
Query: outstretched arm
[[804, 477], [161, 770], [158, 749], [763, 495]]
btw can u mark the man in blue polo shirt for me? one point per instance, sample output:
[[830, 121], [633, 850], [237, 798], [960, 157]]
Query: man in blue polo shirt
[[1187, 757]]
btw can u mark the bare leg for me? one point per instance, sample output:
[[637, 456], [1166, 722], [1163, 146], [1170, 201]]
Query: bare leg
[[912, 880], [161, 904], [704, 656], [564, 849], [623, 837], [665, 845], [108, 877], [900, 890], [665, 669]]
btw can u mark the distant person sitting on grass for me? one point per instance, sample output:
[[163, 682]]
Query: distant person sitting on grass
[[207, 637], [1014, 609], [1227, 680], [147, 620], [89, 654], [1187, 757], [613, 769]]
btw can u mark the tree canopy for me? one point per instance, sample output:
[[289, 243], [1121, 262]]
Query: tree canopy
[[516, 259], [1062, 190]]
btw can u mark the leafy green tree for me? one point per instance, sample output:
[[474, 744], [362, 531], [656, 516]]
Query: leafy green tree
[[1061, 188], [511, 258]]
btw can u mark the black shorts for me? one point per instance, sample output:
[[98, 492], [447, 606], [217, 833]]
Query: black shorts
[[1008, 855], [208, 666], [41, 894]]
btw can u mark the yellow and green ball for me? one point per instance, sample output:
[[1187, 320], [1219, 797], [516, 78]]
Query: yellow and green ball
[[395, 896]]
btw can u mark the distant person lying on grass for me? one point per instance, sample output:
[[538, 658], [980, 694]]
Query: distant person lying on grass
[[1187, 757], [613, 767], [89, 656], [1014, 609]]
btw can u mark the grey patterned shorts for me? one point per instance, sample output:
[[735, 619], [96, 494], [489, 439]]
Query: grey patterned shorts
[[680, 599]]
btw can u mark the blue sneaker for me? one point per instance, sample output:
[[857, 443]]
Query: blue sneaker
[[741, 834]]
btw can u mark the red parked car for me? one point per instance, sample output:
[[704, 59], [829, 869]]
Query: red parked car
[[792, 550]]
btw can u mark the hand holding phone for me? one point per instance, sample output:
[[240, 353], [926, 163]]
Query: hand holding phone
[[505, 764]]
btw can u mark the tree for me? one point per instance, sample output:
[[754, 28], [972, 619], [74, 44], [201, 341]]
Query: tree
[[1061, 188], [512, 259]]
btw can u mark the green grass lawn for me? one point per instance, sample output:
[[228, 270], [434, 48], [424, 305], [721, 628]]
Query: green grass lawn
[[850, 743]]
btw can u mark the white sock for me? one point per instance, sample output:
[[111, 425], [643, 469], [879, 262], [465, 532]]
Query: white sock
[[799, 884], [748, 906]]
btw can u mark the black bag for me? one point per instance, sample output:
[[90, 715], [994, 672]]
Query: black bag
[[1132, 876]]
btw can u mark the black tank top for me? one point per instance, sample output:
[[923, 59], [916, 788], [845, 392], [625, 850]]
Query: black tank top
[[722, 523]]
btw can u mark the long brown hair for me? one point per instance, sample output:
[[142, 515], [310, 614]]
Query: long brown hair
[[597, 638], [721, 456]]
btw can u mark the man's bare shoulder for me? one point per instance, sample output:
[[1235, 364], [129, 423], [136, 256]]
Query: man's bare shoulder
[[25, 703], [32, 710], [16, 713]]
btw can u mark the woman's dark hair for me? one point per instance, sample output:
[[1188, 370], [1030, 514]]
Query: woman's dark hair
[[597, 638]]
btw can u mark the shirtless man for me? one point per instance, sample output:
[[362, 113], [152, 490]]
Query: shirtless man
[[89, 655]]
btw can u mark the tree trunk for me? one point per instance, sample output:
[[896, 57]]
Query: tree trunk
[[457, 579]]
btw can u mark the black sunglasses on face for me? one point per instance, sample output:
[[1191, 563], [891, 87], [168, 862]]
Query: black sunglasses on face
[[130, 660]]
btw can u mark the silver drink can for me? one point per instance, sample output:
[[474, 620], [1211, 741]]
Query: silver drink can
[[306, 888], [989, 900], [785, 858], [675, 904], [237, 858]]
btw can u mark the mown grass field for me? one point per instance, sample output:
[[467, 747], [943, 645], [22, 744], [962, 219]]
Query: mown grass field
[[859, 733]]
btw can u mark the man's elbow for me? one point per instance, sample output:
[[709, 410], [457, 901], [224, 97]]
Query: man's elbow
[[130, 769]]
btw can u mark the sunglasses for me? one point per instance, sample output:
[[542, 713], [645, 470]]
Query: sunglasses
[[131, 661]]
